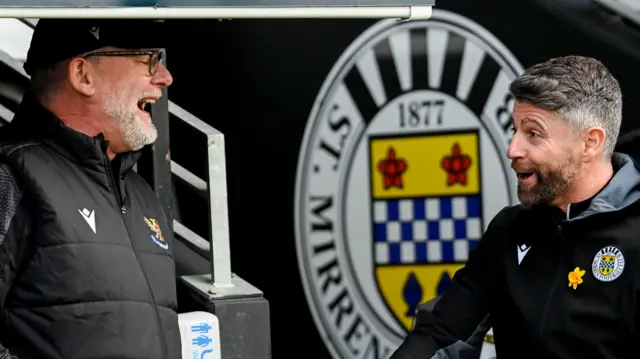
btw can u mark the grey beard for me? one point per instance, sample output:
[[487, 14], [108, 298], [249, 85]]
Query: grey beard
[[551, 185], [134, 136]]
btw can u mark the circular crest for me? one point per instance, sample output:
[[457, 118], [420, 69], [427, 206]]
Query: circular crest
[[402, 166], [608, 264]]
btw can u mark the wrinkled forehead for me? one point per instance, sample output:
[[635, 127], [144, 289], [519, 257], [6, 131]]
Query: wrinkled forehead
[[525, 112], [533, 117]]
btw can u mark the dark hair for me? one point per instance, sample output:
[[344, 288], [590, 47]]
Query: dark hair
[[46, 80]]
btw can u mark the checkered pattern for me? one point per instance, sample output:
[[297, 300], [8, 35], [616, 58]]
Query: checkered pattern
[[426, 230], [607, 265]]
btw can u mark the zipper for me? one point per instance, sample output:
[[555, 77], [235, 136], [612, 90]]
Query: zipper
[[116, 188], [547, 305], [123, 209]]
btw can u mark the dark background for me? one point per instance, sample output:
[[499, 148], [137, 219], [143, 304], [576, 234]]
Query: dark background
[[256, 80]]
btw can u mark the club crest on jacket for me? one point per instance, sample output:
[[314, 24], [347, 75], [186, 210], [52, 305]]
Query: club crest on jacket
[[608, 264], [157, 237]]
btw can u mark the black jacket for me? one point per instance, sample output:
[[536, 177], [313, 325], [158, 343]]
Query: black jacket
[[519, 274], [86, 266], [471, 348]]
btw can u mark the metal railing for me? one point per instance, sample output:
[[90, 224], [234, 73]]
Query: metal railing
[[214, 190]]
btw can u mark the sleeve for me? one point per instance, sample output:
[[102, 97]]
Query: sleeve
[[458, 314], [14, 232]]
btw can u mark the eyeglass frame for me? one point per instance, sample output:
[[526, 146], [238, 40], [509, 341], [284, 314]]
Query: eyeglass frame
[[153, 54]]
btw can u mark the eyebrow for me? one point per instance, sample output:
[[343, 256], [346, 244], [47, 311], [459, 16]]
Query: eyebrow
[[534, 121]]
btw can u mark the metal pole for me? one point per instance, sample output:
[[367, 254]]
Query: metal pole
[[216, 195], [417, 12], [218, 215]]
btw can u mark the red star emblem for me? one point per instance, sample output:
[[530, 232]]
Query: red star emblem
[[392, 169], [456, 166]]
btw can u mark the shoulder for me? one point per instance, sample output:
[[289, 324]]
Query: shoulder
[[510, 216], [11, 195], [16, 138], [9, 183], [15, 157], [19, 150]]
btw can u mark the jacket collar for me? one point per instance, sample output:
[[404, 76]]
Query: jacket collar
[[34, 121]]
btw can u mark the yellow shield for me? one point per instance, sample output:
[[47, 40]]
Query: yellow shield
[[607, 263], [426, 212]]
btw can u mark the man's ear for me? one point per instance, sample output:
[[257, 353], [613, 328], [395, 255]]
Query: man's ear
[[80, 77], [594, 139]]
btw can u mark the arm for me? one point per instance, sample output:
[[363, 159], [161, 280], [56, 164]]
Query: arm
[[469, 349], [14, 231], [457, 314]]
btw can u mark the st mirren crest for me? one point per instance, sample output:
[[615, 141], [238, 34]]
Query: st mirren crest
[[156, 236], [402, 167], [422, 232], [608, 264]]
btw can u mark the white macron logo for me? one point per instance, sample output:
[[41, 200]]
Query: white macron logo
[[523, 249], [90, 217]]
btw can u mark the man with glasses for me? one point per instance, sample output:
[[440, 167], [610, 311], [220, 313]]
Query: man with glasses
[[86, 254]]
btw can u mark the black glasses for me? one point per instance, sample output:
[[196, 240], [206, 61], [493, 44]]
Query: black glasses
[[155, 57]]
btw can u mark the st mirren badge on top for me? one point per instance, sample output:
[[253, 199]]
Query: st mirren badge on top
[[608, 264], [402, 167]]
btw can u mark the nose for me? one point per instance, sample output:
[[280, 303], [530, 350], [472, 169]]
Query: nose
[[163, 77], [515, 150]]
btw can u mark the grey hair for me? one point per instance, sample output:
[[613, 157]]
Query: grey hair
[[580, 90]]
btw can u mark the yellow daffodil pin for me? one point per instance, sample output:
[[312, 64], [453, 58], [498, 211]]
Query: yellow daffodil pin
[[575, 277]]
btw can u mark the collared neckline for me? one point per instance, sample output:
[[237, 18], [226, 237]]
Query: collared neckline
[[32, 120]]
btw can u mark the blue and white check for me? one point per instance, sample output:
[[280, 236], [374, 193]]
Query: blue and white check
[[426, 230]]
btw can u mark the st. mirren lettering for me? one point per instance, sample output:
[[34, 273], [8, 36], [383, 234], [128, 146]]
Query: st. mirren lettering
[[335, 295], [340, 125]]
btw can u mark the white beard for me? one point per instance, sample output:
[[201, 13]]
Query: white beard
[[135, 134]]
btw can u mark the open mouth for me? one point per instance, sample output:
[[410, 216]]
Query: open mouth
[[524, 175], [145, 104]]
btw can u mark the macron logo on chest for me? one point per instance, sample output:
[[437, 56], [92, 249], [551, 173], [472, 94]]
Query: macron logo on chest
[[89, 217], [523, 249]]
